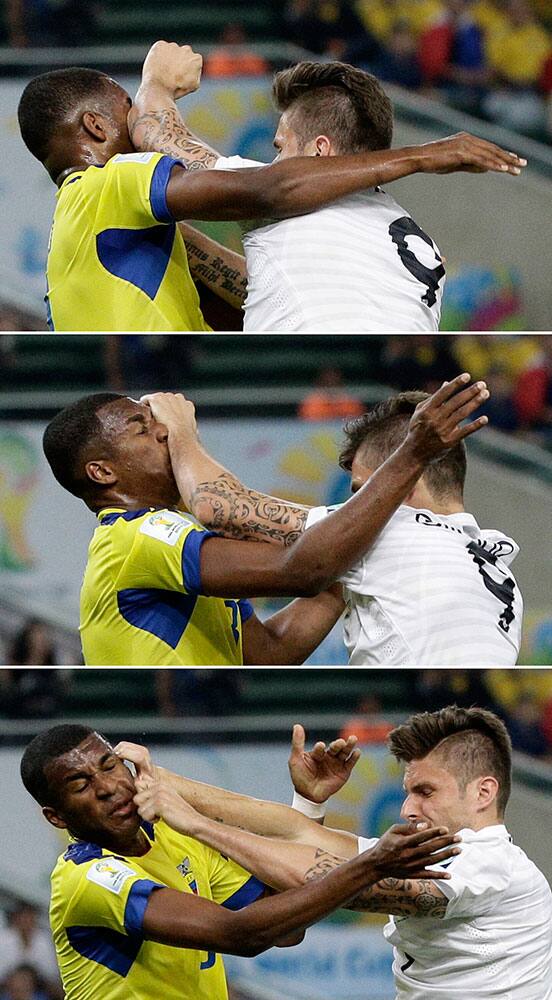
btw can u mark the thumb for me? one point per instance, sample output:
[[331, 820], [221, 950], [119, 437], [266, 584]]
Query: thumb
[[297, 741]]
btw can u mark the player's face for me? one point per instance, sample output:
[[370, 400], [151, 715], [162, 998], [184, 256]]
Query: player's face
[[286, 142], [141, 460], [360, 471], [95, 792], [434, 796]]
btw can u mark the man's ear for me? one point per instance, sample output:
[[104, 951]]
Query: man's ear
[[95, 125], [323, 146], [54, 818], [100, 471], [487, 792]]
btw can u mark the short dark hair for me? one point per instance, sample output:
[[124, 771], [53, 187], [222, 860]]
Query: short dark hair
[[472, 741], [46, 100], [348, 104], [384, 427], [68, 434], [44, 748]]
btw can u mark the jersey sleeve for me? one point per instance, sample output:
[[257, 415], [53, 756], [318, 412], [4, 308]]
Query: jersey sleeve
[[366, 843], [135, 188], [231, 885], [354, 576], [236, 163], [165, 554], [477, 878], [109, 893]]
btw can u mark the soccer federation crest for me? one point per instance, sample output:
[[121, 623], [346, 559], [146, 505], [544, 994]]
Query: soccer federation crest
[[185, 870]]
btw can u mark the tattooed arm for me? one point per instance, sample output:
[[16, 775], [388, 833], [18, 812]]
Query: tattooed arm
[[170, 71], [215, 266], [216, 496]]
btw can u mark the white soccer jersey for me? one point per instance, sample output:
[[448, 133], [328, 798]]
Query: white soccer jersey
[[358, 265], [433, 590], [495, 940]]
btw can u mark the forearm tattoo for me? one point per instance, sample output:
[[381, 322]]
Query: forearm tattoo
[[401, 897], [229, 507], [211, 269], [165, 132]]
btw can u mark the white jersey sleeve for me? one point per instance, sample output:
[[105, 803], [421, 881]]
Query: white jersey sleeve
[[236, 163], [354, 576], [477, 878]]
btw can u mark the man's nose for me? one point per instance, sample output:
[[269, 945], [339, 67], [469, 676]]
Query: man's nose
[[105, 784], [407, 809]]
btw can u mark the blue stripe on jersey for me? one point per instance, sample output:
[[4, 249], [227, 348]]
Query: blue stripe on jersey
[[247, 894], [128, 515], [191, 570], [105, 947], [163, 613], [136, 903], [158, 188], [139, 256], [82, 851], [246, 609], [149, 828]]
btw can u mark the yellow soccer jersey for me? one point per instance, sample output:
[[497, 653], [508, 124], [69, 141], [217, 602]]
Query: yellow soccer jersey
[[141, 601], [97, 911], [117, 260]]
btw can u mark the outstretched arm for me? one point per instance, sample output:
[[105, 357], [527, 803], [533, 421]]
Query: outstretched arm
[[321, 555], [284, 865]]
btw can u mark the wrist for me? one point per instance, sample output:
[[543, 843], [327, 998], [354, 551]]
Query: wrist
[[314, 810], [412, 455], [154, 95]]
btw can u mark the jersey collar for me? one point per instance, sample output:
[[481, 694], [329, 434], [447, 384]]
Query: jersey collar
[[111, 514]]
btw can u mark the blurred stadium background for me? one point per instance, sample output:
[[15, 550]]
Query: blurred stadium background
[[232, 728], [272, 408], [480, 65]]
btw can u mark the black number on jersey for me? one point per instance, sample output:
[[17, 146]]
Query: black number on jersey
[[500, 585], [430, 277], [408, 963]]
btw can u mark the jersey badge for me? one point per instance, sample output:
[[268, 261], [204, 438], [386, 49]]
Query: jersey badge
[[165, 525], [110, 874]]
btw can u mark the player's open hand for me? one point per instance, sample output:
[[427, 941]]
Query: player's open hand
[[468, 152], [437, 424], [324, 770], [175, 411], [404, 852], [159, 800], [175, 68]]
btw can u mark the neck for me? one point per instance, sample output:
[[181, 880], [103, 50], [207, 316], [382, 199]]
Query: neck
[[135, 844], [58, 181]]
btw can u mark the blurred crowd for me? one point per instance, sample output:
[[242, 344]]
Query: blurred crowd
[[518, 370], [522, 698], [492, 58], [28, 968]]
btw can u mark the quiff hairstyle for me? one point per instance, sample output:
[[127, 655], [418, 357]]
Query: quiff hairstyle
[[41, 750], [470, 742], [48, 99], [383, 428], [67, 437], [347, 104]]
